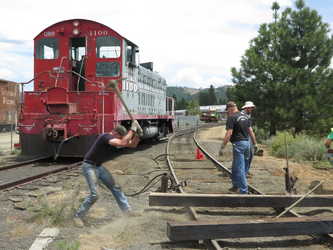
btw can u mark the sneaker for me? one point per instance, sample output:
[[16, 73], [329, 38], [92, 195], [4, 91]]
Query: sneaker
[[78, 221], [234, 189]]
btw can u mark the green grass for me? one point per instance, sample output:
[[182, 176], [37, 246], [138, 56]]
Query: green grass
[[67, 245], [54, 213]]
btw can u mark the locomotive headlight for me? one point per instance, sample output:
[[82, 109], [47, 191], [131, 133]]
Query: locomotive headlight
[[76, 32], [76, 23]]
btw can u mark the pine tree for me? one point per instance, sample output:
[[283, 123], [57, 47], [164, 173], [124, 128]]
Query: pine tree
[[212, 96], [286, 72]]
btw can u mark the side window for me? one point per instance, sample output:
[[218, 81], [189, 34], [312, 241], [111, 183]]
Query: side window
[[107, 47], [47, 48], [107, 69]]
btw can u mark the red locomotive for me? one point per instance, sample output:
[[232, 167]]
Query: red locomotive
[[72, 101]]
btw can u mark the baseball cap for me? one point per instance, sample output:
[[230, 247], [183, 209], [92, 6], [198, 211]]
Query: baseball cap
[[121, 130], [230, 105]]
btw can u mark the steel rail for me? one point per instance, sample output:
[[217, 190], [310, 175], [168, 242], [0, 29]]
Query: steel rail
[[193, 213], [36, 177], [252, 188], [18, 164]]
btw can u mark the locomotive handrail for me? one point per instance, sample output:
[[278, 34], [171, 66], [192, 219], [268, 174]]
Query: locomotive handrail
[[21, 125], [87, 125], [43, 72], [62, 60], [81, 67], [100, 84]]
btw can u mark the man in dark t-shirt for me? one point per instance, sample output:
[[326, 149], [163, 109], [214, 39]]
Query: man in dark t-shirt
[[101, 151], [238, 130], [247, 109]]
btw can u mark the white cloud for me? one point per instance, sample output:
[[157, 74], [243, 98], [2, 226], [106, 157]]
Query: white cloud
[[191, 42]]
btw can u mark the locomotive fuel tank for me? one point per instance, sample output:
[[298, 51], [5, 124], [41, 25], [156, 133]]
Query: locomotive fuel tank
[[150, 132]]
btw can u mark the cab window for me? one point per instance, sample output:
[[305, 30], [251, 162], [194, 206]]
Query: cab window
[[47, 48], [109, 69], [107, 47]]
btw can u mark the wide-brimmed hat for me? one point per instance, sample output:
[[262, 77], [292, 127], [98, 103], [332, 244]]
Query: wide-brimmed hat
[[249, 104]]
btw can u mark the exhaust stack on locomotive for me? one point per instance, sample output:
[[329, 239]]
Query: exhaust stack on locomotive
[[71, 103]]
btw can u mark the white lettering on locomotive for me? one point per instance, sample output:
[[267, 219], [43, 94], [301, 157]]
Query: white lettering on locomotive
[[49, 33], [98, 33]]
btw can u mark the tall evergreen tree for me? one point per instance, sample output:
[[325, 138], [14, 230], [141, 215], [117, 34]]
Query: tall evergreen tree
[[193, 107], [182, 104], [203, 98], [286, 72], [212, 96]]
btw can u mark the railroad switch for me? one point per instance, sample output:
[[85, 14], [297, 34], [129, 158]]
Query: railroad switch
[[164, 183], [181, 184]]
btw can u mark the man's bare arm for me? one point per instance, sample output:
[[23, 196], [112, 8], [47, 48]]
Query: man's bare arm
[[227, 136], [133, 143], [123, 142], [253, 136]]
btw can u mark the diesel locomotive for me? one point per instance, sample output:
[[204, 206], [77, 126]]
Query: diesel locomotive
[[72, 101]]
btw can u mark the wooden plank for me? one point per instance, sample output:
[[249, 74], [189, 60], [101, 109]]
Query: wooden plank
[[237, 200], [45, 238], [236, 228]]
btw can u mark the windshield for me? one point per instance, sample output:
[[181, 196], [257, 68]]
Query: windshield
[[47, 48]]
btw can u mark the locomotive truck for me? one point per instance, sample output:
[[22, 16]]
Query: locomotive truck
[[72, 101]]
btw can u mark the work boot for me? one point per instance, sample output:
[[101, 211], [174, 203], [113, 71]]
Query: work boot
[[233, 189]]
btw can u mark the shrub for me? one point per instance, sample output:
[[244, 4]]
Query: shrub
[[279, 142], [301, 147], [306, 148]]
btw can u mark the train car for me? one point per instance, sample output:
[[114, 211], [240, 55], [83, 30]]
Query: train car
[[9, 101], [209, 116], [72, 101]]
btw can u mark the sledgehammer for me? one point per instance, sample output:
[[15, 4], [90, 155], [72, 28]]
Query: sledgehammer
[[114, 85]]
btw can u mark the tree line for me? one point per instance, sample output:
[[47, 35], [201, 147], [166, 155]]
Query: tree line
[[286, 72], [204, 97]]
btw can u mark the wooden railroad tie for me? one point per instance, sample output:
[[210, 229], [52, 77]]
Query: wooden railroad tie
[[237, 200], [240, 228]]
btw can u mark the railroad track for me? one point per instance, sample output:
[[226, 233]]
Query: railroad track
[[30, 172], [23, 163], [21, 173], [218, 180]]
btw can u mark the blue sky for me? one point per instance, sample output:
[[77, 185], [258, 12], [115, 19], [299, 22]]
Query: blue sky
[[192, 43]]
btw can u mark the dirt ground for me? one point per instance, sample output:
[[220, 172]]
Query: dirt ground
[[107, 228], [305, 173]]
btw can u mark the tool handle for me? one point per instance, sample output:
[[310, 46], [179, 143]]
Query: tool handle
[[114, 86]]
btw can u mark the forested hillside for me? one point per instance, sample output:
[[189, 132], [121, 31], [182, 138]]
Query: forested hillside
[[201, 97]]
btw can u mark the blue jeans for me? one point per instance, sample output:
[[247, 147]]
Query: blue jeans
[[240, 163], [250, 156], [93, 174]]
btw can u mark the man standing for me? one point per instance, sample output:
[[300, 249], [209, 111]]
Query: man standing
[[102, 150], [247, 109], [328, 142], [238, 130]]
